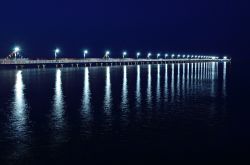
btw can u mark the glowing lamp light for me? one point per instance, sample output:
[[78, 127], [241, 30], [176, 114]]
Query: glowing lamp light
[[107, 53], [124, 54], [138, 54], [16, 49], [149, 55], [158, 55], [85, 52], [57, 51]]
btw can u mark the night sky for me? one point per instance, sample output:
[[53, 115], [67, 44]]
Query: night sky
[[174, 26]]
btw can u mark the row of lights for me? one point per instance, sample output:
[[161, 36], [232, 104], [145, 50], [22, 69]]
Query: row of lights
[[138, 54]]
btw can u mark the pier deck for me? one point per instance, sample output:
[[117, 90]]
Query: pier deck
[[26, 63]]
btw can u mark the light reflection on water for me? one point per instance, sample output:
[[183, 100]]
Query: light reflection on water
[[158, 86], [172, 84], [224, 79], [57, 121], [18, 128], [19, 118], [213, 74], [19, 106], [138, 87], [108, 96], [58, 105], [166, 84], [188, 78], [177, 85], [124, 99], [183, 80], [86, 97], [178, 82], [149, 92]]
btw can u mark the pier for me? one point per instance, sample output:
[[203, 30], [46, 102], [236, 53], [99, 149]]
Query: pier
[[65, 62]]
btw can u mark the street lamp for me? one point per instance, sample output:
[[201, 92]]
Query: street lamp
[[225, 57], [166, 55], [158, 55], [184, 56], [149, 54], [173, 55], [56, 52], [124, 54], [107, 53], [138, 54], [85, 52], [16, 51]]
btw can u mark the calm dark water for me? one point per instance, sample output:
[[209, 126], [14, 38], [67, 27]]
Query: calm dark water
[[195, 111]]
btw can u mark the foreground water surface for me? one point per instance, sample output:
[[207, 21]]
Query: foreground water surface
[[97, 114]]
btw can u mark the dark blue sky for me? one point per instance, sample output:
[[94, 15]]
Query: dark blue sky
[[185, 26]]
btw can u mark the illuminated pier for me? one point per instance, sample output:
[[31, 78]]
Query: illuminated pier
[[65, 62]]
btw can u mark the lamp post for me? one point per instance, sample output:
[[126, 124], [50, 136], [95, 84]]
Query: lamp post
[[107, 53], [158, 55], [56, 52], [149, 55], [85, 52], [124, 54], [138, 55], [16, 51], [166, 55]]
